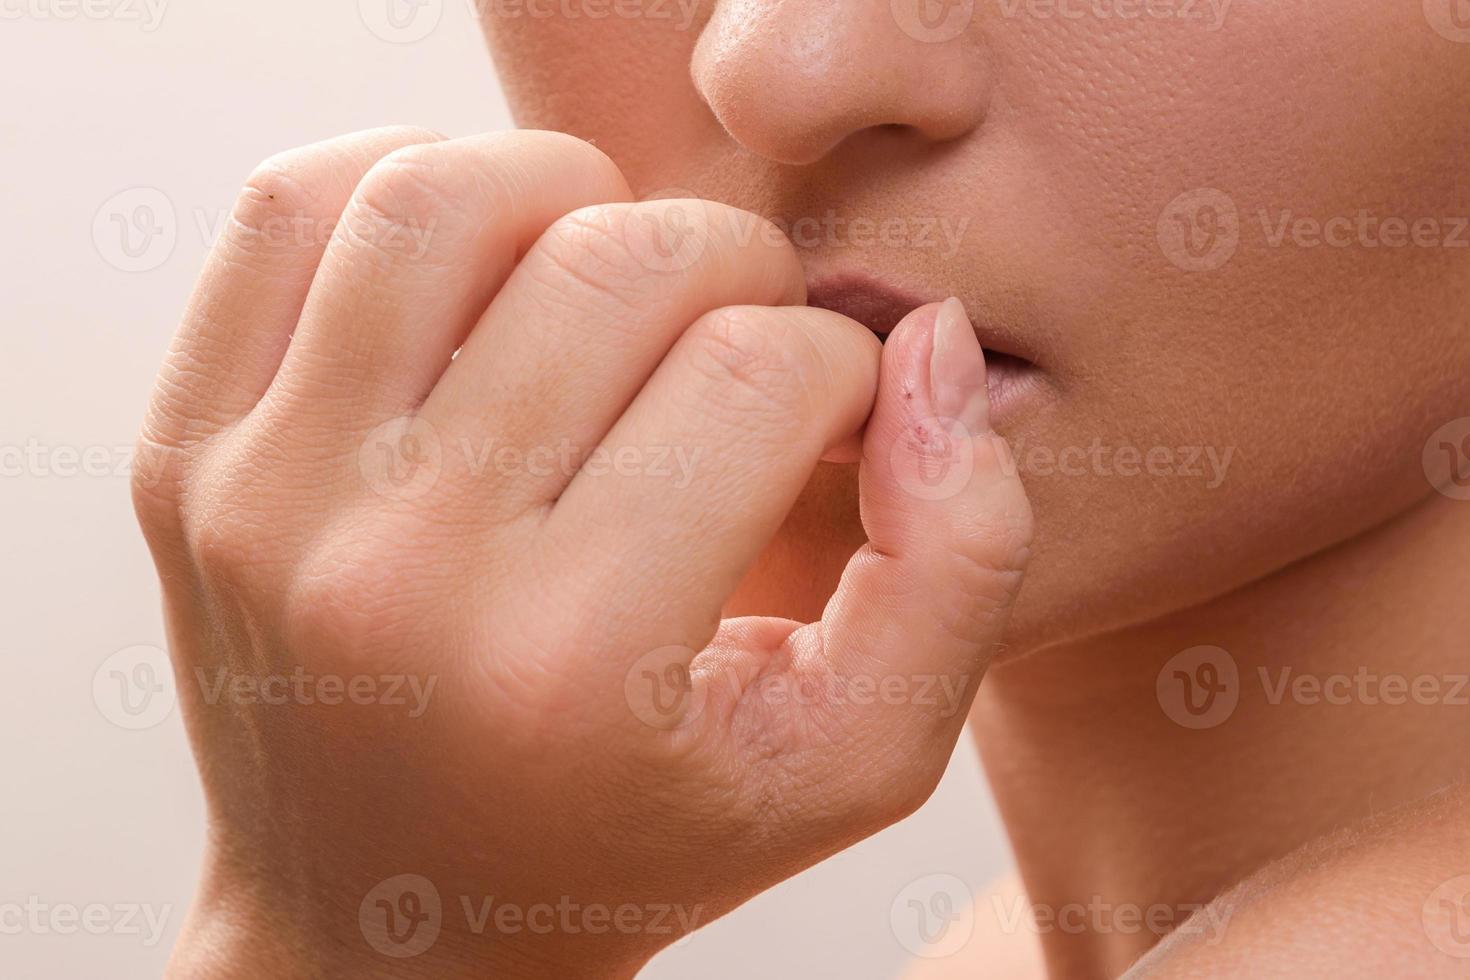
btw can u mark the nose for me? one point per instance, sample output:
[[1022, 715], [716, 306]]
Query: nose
[[791, 79]]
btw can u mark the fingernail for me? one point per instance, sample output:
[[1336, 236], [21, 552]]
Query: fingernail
[[957, 369]]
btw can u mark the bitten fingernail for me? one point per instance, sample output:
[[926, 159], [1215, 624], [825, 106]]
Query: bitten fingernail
[[957, 369]]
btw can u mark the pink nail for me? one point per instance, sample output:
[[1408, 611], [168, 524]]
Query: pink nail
[[957, 370]]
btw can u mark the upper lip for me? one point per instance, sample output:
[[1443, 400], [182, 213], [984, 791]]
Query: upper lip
[[877, 306], [880, 306]]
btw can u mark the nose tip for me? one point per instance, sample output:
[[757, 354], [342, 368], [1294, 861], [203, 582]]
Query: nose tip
[[790, 81]]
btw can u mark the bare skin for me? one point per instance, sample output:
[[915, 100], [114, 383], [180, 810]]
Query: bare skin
[[312, 515], [1313, 832], [1066, 141], [1278, 379]]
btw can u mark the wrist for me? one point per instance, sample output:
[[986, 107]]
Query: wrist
[[237, 929]]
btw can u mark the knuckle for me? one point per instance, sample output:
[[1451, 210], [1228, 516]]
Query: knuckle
[[1000, 539], [353, 596], [746, 228], [593, 165], [595, 247], [400, 202], [662, 228], [226, 529], [988, 562], [292, 197], [165, 476], [282, 190], [751, 358], [409, 183], [154, 486], [223, 547]]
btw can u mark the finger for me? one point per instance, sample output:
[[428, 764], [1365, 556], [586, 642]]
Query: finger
[[430, 235], [700, 471], [586, 318], [866, 705], [926, 601], [255, 281]]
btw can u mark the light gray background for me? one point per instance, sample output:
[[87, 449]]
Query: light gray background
[[174, 105]]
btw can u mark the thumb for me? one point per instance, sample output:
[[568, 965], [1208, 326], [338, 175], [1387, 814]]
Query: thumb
[[922, 606]]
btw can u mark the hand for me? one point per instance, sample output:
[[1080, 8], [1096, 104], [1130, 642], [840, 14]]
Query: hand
[[447, 627]]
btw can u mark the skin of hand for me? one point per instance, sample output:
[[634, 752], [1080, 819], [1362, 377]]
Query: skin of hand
[[372, 457], [1197, 220]]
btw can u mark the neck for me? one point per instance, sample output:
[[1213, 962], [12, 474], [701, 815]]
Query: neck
[[1350, 699]]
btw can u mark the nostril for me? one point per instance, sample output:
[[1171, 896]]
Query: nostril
[[792, 81]]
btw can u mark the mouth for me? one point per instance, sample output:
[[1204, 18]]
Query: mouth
[[1011, 375]]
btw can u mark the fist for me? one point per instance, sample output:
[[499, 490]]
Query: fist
[[456, 458]]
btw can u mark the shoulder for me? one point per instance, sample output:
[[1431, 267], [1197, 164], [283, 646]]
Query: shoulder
[[1390, 897]]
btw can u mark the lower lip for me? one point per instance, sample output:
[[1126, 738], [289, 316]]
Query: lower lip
[[1012, 383]]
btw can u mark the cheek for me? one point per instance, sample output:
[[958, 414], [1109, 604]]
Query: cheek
[[1272, 263], [620, 83]]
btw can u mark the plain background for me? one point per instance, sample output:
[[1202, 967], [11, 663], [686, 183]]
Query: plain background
[[121, 116]]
